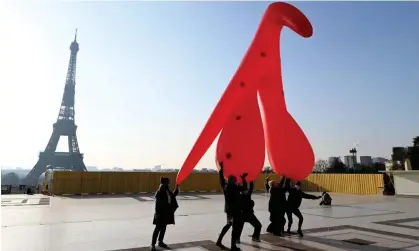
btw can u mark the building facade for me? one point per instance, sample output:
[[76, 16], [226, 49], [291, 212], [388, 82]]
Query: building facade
[[365, 160], [350, 161]]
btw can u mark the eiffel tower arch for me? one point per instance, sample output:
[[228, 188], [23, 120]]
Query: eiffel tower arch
[[64, 126]]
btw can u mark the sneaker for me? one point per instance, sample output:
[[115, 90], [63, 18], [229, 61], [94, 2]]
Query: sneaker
[[255, 239], [300, 233], [235, 248], [163, 245], [153, 248], [220, 245]]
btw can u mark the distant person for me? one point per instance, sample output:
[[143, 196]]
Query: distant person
[[277, 206], [232, 208], [165, 207], [326, 200], [295, 197], [248, 213]]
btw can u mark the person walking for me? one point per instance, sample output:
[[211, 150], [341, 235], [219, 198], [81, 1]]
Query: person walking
[[165, 208]]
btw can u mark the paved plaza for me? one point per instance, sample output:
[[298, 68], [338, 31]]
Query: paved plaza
[[99, 223]]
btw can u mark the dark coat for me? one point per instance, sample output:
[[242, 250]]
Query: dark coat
[[327, 199], [248, 203], [278, 199], [296, 196], [165, 212], [232, 196]]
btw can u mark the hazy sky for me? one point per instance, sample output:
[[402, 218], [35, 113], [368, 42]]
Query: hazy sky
[[149, 74]]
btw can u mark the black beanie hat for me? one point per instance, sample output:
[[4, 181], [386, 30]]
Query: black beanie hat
[[164, 180]]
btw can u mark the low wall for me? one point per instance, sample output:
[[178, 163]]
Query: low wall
[[142, 182], [406, 183]]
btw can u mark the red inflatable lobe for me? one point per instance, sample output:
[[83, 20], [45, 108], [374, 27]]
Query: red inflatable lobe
[[289, 150], [241, 145], [262, 55]]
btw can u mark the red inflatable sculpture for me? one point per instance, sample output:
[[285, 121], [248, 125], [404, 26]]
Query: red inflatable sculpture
[[289, 151], [241, 143]]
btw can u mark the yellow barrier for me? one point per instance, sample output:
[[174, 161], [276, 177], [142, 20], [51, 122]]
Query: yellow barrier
[[142, 182]]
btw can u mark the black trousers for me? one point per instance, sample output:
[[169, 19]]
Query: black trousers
[[277, 219], [252, 220], [159, 231], [237, 223], [297, 213]]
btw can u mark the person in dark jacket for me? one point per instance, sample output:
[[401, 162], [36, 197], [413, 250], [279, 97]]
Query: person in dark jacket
[[277, 206], [248, 212], [295, 197], [232, 208], [326, 200], [165, 208]]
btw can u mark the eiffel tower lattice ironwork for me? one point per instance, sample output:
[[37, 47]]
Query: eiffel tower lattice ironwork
[[65, 126]]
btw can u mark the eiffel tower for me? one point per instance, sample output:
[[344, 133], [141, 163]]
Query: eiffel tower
[[65, 126]]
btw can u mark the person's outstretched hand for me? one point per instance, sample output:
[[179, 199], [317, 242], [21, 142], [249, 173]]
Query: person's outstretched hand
[[244, 175], [177, 186], [221, 165]]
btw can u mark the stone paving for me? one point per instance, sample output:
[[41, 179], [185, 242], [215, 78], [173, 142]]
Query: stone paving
[[99, 223]]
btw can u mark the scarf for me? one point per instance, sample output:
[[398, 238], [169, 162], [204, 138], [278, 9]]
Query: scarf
[[169, 197]]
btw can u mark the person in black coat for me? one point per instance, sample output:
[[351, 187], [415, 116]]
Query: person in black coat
[[295, 197], [326, 199], [232, 207], [165, 208], [248, 212], [277, 206]]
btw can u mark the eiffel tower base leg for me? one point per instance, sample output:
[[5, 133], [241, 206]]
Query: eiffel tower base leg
[[57, 160]]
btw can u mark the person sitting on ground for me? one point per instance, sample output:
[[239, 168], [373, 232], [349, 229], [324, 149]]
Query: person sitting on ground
[[326, 200]]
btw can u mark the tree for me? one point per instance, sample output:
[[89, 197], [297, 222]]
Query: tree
[[337, 166], [379, 166], [413, 154], [10, 179], [366, 169], [321, 166], [416, 141]]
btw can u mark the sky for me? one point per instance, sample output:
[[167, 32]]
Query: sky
[[149, 75]]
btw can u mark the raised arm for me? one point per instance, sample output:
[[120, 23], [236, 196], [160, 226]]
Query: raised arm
[[221, 175], [267, 184], [282, 182], [176, 191], [310, 196], [251, 186], [287, 184], [244, 181]]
